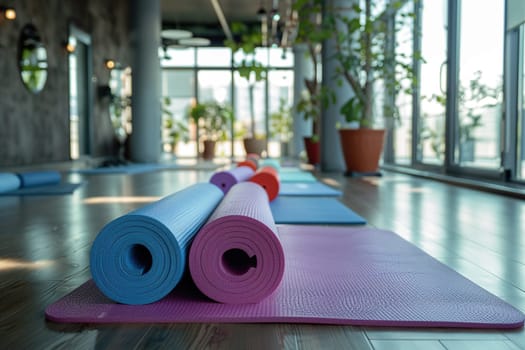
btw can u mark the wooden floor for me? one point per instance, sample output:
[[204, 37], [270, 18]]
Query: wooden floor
[[45, 242]]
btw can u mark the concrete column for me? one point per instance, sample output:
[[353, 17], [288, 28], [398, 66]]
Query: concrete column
[[145, 23], [302, 69], [331, 153]]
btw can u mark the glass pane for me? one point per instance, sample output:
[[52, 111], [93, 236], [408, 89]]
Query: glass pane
[[480, 84], [261, 56], [431, 133], [178, 57], [215, 85], [177, 91], [249, 102], [179, 83], [280, 90], [521, 121], [214, 57], [281, 57], [404, 53]]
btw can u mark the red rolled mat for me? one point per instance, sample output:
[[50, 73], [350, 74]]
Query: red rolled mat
[[237, 256], [268, 178], [249, 163]]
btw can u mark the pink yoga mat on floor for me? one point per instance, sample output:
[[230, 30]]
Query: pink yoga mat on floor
[[333, 275], [237, 257]]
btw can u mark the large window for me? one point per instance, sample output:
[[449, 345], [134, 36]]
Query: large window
[[211, 69], [178, 91]]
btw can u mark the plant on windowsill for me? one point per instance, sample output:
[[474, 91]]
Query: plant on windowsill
[[362, 40], [246, 40], [213, 120]]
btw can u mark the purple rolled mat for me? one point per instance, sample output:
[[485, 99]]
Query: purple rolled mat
[[237, 256], [226, 179]]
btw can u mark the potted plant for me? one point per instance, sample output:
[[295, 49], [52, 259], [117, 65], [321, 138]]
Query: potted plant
[[281, 126], [312, 32], [213, 121], [246, 40], [361, 37]]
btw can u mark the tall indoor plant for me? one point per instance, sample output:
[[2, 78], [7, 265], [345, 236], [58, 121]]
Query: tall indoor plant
[[246, 40], [364, 40], [312, 32]]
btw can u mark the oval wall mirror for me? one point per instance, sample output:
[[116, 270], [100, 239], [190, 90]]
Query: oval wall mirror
[[32, 59]]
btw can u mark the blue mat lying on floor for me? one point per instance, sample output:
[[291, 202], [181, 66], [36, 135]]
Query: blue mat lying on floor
[[296, 176], [33, 183], [140, 168], [120, 169], [44, 190], [313, 210], [307, 189]]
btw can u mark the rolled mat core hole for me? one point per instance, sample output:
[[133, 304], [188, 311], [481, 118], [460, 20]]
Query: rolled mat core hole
[[139, 259], [237, 262]]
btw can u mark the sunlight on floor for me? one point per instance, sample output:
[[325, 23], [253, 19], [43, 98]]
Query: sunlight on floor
[[15, 264], [129, 199]]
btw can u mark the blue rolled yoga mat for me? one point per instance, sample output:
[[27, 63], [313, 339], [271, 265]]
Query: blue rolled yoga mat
[[140, 257], [9, 182], [39, 178]]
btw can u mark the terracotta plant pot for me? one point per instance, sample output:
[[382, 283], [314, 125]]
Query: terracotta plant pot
[[313, 150], [209, 149], [362, 149], [254, 146]]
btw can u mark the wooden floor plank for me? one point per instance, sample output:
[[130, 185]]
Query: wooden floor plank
[[407, 345]]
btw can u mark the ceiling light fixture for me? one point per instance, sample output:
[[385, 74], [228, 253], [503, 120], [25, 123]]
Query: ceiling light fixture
[[195, 42], [176, 34]]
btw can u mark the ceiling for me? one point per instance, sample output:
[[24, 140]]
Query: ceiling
[[199, 16]]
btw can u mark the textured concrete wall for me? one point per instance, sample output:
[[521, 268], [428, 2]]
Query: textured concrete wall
[[35, 128]]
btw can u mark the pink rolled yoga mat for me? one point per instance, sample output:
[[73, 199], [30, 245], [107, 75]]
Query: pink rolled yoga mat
[[237, 256], [224, 180]]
